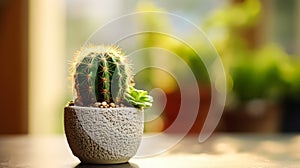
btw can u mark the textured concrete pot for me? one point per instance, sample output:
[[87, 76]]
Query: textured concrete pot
[[103, 135]]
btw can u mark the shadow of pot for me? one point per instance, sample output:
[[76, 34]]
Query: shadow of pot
[[103, 135], [124, 165]]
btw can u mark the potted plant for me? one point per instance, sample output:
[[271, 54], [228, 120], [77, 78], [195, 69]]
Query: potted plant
[[257, 91], [291, 96], [104, 122], [254, 77]]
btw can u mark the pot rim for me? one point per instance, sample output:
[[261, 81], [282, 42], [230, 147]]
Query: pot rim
[[90, 107]]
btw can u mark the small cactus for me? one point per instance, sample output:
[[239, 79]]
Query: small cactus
[[102, 74]]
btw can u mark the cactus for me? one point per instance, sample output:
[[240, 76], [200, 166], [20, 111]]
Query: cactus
[[102, 74]]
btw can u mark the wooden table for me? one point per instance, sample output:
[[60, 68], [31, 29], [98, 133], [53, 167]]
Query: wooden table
[[221, 150]]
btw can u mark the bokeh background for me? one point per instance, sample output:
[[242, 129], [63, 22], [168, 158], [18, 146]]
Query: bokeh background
[[257, 40]]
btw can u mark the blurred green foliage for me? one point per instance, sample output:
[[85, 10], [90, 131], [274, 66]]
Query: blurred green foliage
[[169, 43], [260, 72], [268, 73], [254, 71]]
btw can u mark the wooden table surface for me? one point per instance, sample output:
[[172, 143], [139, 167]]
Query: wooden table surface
[[221, 150]]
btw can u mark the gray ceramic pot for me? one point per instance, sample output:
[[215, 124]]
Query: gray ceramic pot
[[103, 135]]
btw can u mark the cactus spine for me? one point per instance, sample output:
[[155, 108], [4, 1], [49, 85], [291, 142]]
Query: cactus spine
[[101, 74]]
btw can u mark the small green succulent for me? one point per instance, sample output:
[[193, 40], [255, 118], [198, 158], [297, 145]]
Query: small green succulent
[[139, 98]]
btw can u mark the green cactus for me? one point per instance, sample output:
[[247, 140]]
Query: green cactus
[[102, 74]]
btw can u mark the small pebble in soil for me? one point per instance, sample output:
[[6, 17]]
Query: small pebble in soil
[[112, 105], [97, 104], [104, 103]]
